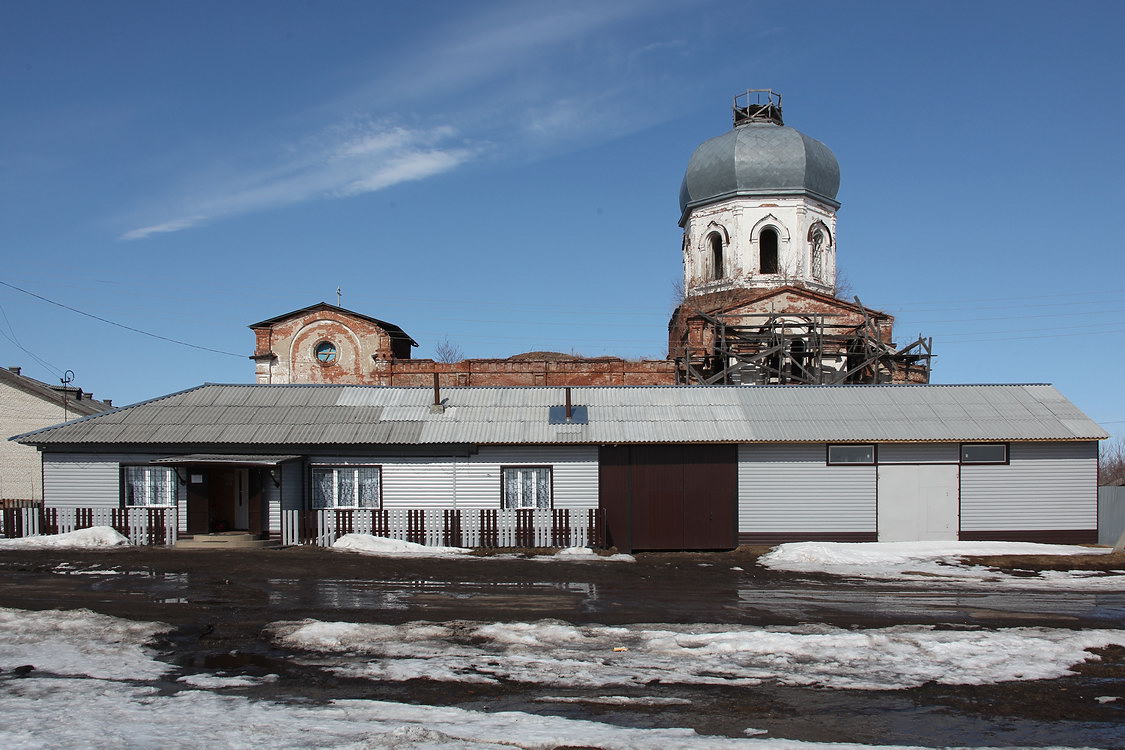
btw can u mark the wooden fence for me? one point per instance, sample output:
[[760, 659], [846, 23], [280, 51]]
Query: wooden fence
[[139, 525], [448, 527], [8, 502]]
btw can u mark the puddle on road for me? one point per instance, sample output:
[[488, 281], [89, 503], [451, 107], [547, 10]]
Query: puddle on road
[[402, 595], [812, 603]]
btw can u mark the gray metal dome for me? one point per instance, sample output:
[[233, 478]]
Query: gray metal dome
[[760, 158]]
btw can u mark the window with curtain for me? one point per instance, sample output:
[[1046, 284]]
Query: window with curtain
[[526, 487], [345, 487], [148, 486]]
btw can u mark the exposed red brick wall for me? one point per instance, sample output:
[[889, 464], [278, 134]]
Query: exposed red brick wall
[[285, 349], [479, 372], [787, 300]]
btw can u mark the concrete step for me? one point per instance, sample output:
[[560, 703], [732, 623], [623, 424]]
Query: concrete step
[[224, 541]]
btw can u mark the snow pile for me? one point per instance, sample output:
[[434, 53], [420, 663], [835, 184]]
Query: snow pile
[[110, 693], [78, 642], [208, 681], [101, 714], [96, 536], [557, 653], [577, 552], [381, 545], [940, 561]]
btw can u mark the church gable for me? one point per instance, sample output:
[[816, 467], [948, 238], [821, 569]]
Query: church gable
[[326, 344]]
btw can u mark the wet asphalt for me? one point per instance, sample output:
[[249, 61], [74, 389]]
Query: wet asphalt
[[219, 603]]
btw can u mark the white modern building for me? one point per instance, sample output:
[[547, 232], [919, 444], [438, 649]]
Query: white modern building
[[666, 467]]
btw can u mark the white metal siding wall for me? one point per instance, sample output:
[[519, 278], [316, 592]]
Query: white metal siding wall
[[784, 488], [92, 480], [288, 496], [1045, 486], [474, 481], [419, 483], [919, 453], [574, 474]]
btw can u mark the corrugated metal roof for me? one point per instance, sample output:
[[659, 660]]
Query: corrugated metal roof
[[352, 415]]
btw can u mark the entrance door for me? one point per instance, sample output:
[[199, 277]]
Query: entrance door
[[242, 499], [225, 498], [918, 503]]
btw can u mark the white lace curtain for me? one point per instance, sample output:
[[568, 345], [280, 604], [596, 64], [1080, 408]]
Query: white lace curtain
[[527, 487], [345, 487], [149, 485]]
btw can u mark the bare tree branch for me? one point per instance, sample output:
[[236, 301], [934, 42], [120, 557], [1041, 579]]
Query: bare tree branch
[[448, 352]]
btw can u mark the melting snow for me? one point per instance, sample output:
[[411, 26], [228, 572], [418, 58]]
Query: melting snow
[[933, 561], [557, 653], [97, 536], [380, 545], [99, 698], [78, 642]]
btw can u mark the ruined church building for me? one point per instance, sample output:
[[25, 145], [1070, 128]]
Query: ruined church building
[[758, 209], [828, 447]]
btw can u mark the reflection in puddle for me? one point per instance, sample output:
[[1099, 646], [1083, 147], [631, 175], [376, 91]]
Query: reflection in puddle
[[919, 606], [401, 595]]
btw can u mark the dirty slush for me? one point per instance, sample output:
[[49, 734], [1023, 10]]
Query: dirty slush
[[224, 608]]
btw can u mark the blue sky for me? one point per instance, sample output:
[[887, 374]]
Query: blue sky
[[505, 174]]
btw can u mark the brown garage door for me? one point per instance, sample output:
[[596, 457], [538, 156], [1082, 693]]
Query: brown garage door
[[670, 496]]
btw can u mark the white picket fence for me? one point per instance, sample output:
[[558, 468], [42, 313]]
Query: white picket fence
[[140, 525], [449, 527]]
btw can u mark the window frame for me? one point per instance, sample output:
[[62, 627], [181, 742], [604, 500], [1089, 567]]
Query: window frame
[[776, 250], [335, 467], [716, 249], [335, 353], [1007, 454], [174, 485], [504, 483], [828, 454]]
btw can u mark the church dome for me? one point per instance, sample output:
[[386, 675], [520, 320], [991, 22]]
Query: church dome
[[760, 157]]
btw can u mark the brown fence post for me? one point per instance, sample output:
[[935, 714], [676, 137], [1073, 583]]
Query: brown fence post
[[525, 532], [157, 525], [416, 526], [307, 530], [597, 526], [451, 531], [8, 516], [50, 519], [489, 527], [560, 527]]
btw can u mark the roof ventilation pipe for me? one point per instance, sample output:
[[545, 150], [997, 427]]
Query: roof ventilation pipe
[[437, 407], [569, 409]]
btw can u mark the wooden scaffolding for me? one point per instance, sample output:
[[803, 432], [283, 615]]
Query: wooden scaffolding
[[801, 349]]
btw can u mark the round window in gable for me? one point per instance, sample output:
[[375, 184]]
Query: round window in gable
[[325, 352]]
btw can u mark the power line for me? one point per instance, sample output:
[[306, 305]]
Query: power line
[[119, 325], [16, 342]]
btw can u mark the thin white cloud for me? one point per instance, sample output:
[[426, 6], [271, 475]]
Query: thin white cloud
[[536, 78], [470, 51], [174, 225], [342, 161]]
